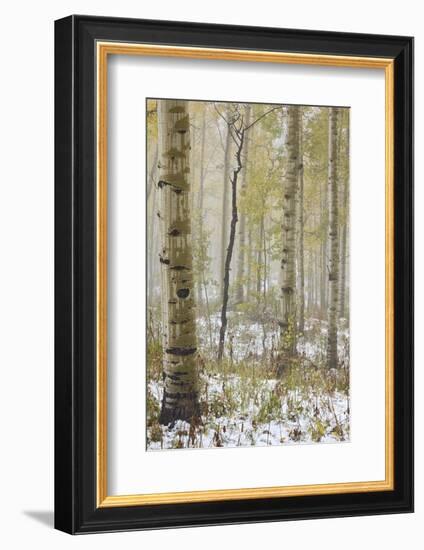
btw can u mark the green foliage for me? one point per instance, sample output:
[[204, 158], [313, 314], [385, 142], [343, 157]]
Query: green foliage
[[155, 433], [318, 429], [154, 359], [289, 336], [270, 409], [153, 408]]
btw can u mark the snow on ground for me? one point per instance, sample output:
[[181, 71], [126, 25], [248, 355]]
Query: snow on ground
[[251, 339], [249, 410], [319, 418]]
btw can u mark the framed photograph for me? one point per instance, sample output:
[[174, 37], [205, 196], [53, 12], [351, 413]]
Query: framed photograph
[[234, 274]]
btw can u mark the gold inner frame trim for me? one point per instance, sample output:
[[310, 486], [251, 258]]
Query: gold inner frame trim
[[103, 50]]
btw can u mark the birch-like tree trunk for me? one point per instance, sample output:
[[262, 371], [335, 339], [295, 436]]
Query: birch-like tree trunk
[[288, 236], [333, 237], [200, 203], [265, 269], [249, 261], [242, 216], [343, 244], [225, 203], [301, 230], [323, 251], [153, 245], [230, 248], [180, 397], [259, 261], [152, 173], [342, 304]]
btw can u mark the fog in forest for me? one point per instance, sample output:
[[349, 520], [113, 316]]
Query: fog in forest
[[247, 274]]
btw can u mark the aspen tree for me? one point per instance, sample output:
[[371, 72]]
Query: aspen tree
[[180, 397], [242, 216], [301, 229], [288, 229], [344, 229], [225, 204], [333, 237], [200, 198]]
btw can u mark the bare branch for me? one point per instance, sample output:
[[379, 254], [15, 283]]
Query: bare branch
[[261, 117], [220, 114]]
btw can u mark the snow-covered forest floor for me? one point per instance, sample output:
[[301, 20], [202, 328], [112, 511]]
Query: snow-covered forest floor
[[250, 399]]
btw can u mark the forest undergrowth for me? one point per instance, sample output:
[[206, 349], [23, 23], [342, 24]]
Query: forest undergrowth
[[250, 398]]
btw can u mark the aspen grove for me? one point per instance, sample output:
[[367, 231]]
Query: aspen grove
[[247, 274]]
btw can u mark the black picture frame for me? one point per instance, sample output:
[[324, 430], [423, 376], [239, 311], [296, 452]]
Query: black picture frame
[[76, 510]]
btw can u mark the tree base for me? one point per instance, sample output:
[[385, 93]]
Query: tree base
[[285, 362], [186, 411]]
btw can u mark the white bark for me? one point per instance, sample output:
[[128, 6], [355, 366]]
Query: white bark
[[242, 215], [301, 229], [179, 329], [333, 237], [225, 207], [344, 240], [288, 229]]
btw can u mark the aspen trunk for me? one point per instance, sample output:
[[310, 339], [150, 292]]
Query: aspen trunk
[[333, 237], [343, 244], [342, 306], [265, 270], [151, 212], [259, 260], [224, 223], [310, 284], [200, 203], [301, 230], [230, 248], [288, 229], [242, 217], [317, 281], [249, 262], [179, 324], [323, 254], [152, 172], [153, 246]]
